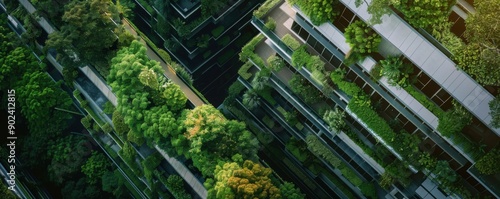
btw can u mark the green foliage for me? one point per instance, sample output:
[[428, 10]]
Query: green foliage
[[243, 71], [289, 191], [217, 31], [290, 41], [67, 155], [319, 11], [298, 148], [368, 189], [120, 127], [97, 46], [396, 71], [351, 176], [206, 128], [349, 88], [379, 8], [398, 171], [481, 57], [271, 23], [86, 121], [6, 193], [247, 50], [362, 40], [175, 185], [304, 89], [106, 128], [114, 183], [95, 167], [423, 14], [495, 112], [442, 32], [488, 164], [128, 153], [376, 72], [453, 121], [275, 63], [210, 7], [175, 100], [203, 41], [265, 8], [319, 149], [251, 99], [249, 180], [334, 119], [422, 98], [444, 173]]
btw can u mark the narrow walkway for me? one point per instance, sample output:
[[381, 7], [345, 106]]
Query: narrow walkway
[[169, 71]]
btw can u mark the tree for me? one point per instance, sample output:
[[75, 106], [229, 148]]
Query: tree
[[128, 152], [259, 82], [334, 119], [250, 180], [276, 63], [495, 112], [488, 164], [176, 186], [251, 99], [120, 127], [79, 189], [482, 32], [175, 99], [444, 173], [289, 191], [95, 167], [113, 182], [67, 154]]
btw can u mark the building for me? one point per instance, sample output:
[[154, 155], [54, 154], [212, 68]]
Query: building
[[386, 143], [204, 37]]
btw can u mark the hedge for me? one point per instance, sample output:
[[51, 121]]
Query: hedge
[[290, 41], [247, 50], [265, 8], [243, 71]]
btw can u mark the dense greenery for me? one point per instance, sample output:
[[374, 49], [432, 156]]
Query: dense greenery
[[300, 86], [362, 40], [396, 71], [98, 45], [495, 112], [481, 57], [335, 119], [265, 8], [488, 164], [290, 41], [453, 121], [425, 13], [319, 11], [243, 180]]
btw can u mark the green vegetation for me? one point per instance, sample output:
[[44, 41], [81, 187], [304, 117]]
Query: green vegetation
[[217, 31], [335, 119], [495, 112], [175, 185], [481, 57], [276, 63], [422, 14], [320, 150], [210, 7], [265, 8], [453, 121], [488, 164], [270, 24], [319, 11], [362, 40], [396, 71], [303, 88], [290, 41]]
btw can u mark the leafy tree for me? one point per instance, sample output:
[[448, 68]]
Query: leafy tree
[[176, 186], [362, 39], [174, 97], [79, 189], [423, 14], [259, 82], [319, 11], [251, 99], [481, 58], [251, 180], [495, 112], [128, 152], [114, 183], [454, 120], [14, 63], [334, 119], [96, 25], [289, 191], [488, 164], [444, 173], [67, 154], [95, 167]]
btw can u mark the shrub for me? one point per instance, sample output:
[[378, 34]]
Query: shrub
[[376, 72], [319, 149], [218, 31], [453, 121], [224, 41], [182, 73], [243, 71], [396, 72], [275, 62], [425, 13], [304, 89], [488, 164], [351, 176], [368, 189], [290, 41], [271, 23], [265, 7], [106, 128], [319, 11], [362, 39], [349, 88], [247, 50], [175, 185], [495, 112], [334, 119], [164, 55]]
